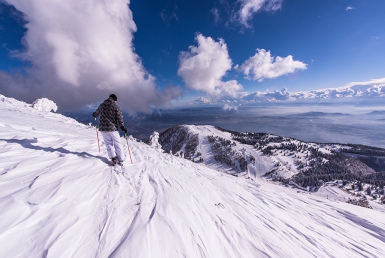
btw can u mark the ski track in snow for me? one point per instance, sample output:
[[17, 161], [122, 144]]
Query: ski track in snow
[[59, 198]]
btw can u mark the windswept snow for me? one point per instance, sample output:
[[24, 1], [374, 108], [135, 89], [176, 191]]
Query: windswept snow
[[59, 198]]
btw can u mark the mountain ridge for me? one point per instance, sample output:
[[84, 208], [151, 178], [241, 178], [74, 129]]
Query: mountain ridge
[[306, 163], [59, 198]]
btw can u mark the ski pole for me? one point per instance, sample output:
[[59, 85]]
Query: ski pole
[[97, 136], [125, 136]]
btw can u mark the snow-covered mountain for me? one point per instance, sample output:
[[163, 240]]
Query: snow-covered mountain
[[276, 157], [59, 198], [196, 144]]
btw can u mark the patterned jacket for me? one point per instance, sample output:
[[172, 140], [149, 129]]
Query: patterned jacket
[[110, 115]]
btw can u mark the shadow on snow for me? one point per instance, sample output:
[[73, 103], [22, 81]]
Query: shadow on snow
[[27, 143]]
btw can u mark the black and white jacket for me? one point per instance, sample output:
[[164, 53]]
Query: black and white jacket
[[110, 116]]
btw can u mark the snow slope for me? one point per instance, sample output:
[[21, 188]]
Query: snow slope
[[262, 164], [284, 163], [58, 198]]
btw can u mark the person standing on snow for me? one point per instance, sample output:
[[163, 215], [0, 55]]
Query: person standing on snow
[[110, 116]]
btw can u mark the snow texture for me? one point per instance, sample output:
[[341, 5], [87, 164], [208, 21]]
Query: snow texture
[[44, 105], [59, 198]]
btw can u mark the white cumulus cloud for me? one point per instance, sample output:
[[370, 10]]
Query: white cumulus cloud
[[203, 67], [264, 66], [350, 8], [249, 7], [81, 51]]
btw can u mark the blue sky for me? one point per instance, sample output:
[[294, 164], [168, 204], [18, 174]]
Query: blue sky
[[79, 52], [339, 45]]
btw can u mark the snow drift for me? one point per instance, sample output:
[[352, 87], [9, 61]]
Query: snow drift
[[59, 198]]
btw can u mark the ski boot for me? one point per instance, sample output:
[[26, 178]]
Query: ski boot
[[114, 161], [120, 163]]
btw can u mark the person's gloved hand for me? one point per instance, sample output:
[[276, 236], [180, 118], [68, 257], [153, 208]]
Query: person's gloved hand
[[124, 129]]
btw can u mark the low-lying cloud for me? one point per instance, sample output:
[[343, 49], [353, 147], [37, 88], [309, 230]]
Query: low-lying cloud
[[373, 89], [249, 7], [204, 66], [264, 66], [228, 107], [80, 53]]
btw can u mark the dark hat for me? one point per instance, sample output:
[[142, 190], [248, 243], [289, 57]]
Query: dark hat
[[114, 97]]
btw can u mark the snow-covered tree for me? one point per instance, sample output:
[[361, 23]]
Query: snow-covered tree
[[154, 141], [44, 105]]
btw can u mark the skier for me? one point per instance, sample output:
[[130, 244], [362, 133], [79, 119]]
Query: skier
[[110, 116]]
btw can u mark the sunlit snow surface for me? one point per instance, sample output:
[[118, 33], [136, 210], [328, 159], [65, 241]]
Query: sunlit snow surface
[[59, 198]]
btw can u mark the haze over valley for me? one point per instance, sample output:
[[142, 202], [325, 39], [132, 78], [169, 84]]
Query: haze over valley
[[341, 121]]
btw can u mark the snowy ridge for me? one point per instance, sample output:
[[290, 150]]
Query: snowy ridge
[[58, 198], [279, 158], [178, 138], [175, 139]]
